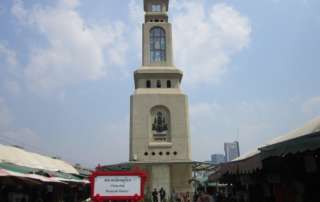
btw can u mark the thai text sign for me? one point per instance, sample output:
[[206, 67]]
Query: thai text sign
[[117, 185]]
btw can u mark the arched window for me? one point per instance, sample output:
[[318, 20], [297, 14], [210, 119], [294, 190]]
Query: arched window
[[157, 45], [148, 84], [158, 84], [168, 84]]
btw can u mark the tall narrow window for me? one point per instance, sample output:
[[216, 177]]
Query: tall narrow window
[[157, 45], [168, 84], [148, 84], [158, 84]]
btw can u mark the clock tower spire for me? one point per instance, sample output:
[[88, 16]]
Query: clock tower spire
[[157, 34]]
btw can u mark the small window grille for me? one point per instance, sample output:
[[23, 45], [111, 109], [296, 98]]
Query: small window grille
[[156, 8], [148, 84], [158, 84], [168, 84]]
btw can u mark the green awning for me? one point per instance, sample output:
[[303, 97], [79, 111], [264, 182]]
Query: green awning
[[117, 167], [64, 175], [42, 175], [16, 168]]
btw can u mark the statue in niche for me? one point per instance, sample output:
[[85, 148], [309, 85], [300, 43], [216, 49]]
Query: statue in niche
[[159, 123]]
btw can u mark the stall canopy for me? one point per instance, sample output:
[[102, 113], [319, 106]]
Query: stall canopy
[[11, 170], [18, 156], [303, 139], [16, 162], [246, 163]]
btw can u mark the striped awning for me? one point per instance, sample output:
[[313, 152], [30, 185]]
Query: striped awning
[[11, 170]]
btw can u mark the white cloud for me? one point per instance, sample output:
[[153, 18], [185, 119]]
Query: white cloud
[[9, 134], [76, 50], [24, 137], [136, 14], [312, 106], [18, 10], [253, 123], [69, 3], [9, 56], [5, 115], [110, 145], [224, 123], [12, 87], [80, 51], [205, 40], [2, 9], [115, 137]]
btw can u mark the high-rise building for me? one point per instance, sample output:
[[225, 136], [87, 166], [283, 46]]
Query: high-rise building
[[231, 150], [217, 158], [159, 123]]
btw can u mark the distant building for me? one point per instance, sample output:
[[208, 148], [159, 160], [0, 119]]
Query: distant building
[[231, 150], [217, 158]]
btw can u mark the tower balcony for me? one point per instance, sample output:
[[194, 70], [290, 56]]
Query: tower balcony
[[156, 17]]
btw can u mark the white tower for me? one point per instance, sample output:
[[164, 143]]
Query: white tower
[[159, 120]]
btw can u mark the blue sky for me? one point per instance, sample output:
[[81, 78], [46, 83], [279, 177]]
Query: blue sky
[[251, 73]]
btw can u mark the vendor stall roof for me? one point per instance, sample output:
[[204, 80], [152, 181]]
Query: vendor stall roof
[[15, 171], [196, 166], [300, 140], [246, 163], [308, 129], [18, 156], [311, 129], [12, 170], [303, 139], [247, 155]]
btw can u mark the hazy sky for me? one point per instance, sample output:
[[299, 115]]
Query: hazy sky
[[251, 71]]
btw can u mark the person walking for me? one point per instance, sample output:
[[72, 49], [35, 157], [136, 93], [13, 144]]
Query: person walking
[[173, 196], [155, 195], [204, 197], [162, 195], [188, 198]]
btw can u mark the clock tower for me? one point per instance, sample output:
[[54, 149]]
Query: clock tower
[[159, 119]]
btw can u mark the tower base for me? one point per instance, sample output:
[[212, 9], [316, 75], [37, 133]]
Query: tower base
[[169, 176]]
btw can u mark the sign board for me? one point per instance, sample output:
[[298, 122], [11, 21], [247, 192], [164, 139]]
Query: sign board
[[117, 185]]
